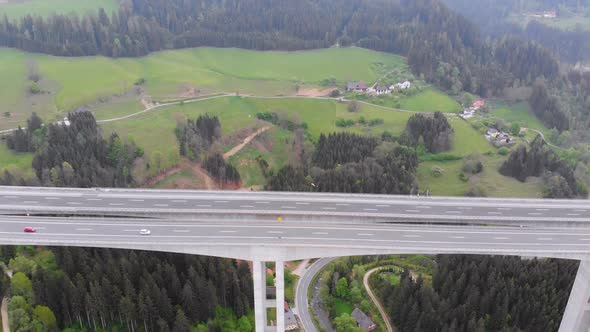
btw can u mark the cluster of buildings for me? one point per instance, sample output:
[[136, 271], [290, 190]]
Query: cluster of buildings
[[468, 113], [550, 14], [376, 89], [498, 137]]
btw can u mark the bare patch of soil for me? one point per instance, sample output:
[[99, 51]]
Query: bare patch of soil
[[315, 92]]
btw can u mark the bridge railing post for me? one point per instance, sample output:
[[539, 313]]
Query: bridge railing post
[[576, 317]]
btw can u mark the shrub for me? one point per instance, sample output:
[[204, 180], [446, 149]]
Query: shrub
[[437, 171], [335, 93], [472, 165], [35, 88], [504, 151]]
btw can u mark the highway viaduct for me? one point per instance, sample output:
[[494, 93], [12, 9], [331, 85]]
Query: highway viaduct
[[278, 227]]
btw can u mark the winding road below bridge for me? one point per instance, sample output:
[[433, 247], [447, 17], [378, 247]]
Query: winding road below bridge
[[375, 300]]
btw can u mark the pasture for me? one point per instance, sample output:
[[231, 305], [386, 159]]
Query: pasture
[[187, 73], [430, 100], [19, 8]]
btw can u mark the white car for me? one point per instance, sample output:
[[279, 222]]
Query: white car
[[145, 232]]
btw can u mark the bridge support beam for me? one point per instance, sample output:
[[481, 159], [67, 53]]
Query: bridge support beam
[[260, 301], [576, 317]]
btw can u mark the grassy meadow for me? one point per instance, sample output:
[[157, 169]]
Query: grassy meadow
[[430, 100], [180, 73], [19, 8]]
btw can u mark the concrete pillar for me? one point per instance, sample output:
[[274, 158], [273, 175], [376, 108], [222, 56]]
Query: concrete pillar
[[259, 278], [576, 317], [280, 286]]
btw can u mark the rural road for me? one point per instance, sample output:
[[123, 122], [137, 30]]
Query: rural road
[[301, 298], [5, 325], [375, 300], [224, 95]]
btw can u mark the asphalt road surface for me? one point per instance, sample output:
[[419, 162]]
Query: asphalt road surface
[[301, 299], [75, 231], [79, 201]]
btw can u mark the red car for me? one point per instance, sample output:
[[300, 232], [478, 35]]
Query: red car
[[30, 230]]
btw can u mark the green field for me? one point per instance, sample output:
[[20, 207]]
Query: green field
[[20, 8], [430, 100], [19, 162], [466, 139], [155, 130], [342, 307], [181, 74], [519, 113], [490, 180]]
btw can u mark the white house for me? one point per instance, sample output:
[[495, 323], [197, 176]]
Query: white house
[[401, 86], [380, 90]]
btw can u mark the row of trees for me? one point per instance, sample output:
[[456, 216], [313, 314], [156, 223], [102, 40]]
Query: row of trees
[[481, 293]]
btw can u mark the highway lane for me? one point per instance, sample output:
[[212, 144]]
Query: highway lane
[[31, 200], [257, 233]]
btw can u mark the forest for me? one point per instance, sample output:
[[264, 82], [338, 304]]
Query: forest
[[481, 293], [79, 289], [349, 163], [73, 155]]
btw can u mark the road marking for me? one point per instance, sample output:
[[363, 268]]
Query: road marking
[[84, 229], [495, 213], [179, 201], [220, 201], [32, 202], [424, 206], [181, 231], [501, 238], [246, 206], [262, 202], [544, 238], [453, 212], [328, 208], [130, 230], [162, 205], [204, 205], [365, 234], [580, 210], [9, 196], [342, 204], [116, 204], [288, 207], [52, 198], [411, 235], [573, 214], [370, 209], [584, 239], [302, 203], [505, 209], [319, 233], [541, 209], [415, 211], [456, 237], [381, 205], [94, 199], [275, 232], [464, 208], [74, 203], [535, 213], [227, 231]]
